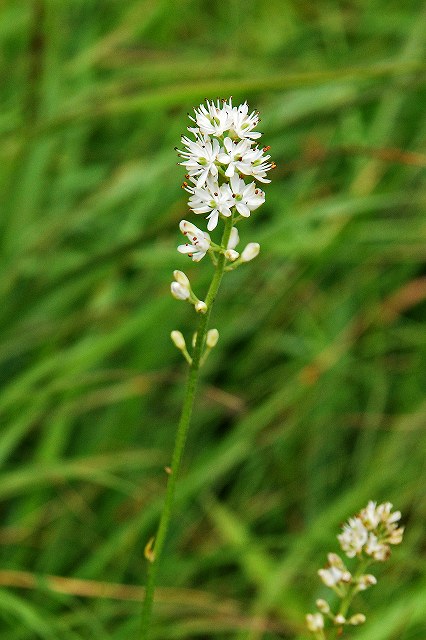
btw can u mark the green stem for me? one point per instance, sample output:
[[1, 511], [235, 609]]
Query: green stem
[[352, 591], [188, 403]]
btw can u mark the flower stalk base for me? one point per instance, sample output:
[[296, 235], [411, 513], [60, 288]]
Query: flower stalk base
[[157, 545]]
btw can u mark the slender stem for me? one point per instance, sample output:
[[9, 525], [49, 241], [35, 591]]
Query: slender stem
[[352, 591], [188, 403]]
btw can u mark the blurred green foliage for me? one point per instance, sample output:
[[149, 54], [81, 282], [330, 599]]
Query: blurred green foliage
[[312, 402]]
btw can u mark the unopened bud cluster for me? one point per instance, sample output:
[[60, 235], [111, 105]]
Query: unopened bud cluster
[[366, 537], [223, 164], [178, 340]]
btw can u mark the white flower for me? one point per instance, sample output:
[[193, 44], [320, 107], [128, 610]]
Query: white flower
[[211, 199], [370, 516], [199, 242], [247, 197], [333, 576], [315, 622], [365, 581], [395, 537], [335, 572], [388, 530], [376, 549], [374, 515], [242, 123], [234, 155], [200, 158], [213, 120], [258, 164], [353, 537], [385, 513]]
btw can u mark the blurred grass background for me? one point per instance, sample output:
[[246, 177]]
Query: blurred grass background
[[312, 402]]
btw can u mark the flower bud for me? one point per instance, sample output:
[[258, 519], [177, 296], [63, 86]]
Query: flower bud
[[358, 618], [336, 561], [212, 338], [231, 254], [180, 277], [366, 581], [149, 550], [339, 619], [179, 291], [234, 238], [250, 251], [178, 340], [323, 605], [200, 307], [315, 622], [396, 536]]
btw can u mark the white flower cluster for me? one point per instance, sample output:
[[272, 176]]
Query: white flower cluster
[[220, 161], [366, 536], [336, 576], [372, 531]]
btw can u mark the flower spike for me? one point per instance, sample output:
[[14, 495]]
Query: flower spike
[[222, 155], [223, 166], [366, 537]]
